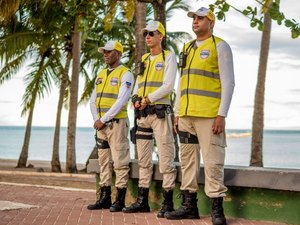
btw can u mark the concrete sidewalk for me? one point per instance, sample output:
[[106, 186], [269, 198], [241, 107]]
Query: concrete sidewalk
[[46, 205]]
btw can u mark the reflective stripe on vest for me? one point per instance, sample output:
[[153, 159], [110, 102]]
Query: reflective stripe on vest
[[107, 89], [200, 83], [153, 77]]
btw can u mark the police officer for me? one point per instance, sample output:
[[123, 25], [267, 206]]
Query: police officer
[[151, 100], [202, 102], [108, 105]]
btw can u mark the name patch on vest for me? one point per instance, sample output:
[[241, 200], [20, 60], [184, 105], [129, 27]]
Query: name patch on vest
[[204, 54], [114, 81], [99, 80], [159, 66]]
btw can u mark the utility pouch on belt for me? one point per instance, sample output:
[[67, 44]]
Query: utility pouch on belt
[[160, 111], [102, 144]]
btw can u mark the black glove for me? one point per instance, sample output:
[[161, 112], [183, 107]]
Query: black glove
[[135, 98]]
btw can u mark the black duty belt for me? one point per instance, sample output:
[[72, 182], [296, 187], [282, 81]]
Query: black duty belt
[[113, 120], [153, 109]]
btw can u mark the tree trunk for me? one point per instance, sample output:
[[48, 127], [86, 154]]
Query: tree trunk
[[258, 114], [140, 19], [55, 163], [24, 153], [71, 135], [160, 15]]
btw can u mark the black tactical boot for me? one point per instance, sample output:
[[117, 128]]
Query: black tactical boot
[[141, 204], [217, 212], [104, 201], [167, 205], [187, 210], [119, 204]]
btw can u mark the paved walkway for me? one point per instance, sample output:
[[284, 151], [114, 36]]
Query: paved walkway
[[42, 205]]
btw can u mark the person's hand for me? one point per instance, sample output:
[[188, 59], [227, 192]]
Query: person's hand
[[145, 101], [137, 105], [98, 125], [136, 101], [175, 126], [142, 107], [218, 125]]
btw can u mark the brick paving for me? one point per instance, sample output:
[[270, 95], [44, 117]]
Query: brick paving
[[68, 207]]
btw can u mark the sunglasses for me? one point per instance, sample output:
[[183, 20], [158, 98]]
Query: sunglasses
[[151, 33]]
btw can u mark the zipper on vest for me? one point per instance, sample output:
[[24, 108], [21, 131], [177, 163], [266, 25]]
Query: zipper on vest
[[107, 75], [188, 83], [147, 76]]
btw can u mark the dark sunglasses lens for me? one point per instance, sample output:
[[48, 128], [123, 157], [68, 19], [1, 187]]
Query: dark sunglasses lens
[[151, 33]]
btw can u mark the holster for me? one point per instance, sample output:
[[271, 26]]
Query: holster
[[101, 144], [133, 134]]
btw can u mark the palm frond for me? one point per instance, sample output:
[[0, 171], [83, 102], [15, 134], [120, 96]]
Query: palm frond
[[175, 5], [11, 68]]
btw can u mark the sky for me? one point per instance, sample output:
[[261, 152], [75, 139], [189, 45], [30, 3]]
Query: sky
[[282, 94]]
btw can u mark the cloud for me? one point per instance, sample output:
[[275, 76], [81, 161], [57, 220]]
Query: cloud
[[297, 91], [287, 103], [244, 38], [287, 47], [8, 101]]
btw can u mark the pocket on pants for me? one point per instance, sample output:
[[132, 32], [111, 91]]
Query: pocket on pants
[[218, 139]]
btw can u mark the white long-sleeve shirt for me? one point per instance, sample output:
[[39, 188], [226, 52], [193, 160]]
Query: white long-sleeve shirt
[[168, 81], [123, 97], [225, 62]]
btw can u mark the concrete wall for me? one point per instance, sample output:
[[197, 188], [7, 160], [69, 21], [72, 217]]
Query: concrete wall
[[253, 193], [237, 176]]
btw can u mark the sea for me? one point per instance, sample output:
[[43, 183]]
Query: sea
[[281, 148]]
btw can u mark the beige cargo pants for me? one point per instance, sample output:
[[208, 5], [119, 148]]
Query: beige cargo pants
[[212, 148], [162, 131], [116, 157]]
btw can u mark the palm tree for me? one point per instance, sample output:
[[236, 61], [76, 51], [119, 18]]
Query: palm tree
[[71, 134], [23, 38], [258, 114], [38, 80], [55, 162]]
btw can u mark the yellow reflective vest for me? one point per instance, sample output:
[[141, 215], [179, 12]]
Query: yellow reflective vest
[[200, 83], [107, 89], [153, 76]]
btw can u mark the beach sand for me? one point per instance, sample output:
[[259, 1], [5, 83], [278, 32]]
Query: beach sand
[[39, 173]]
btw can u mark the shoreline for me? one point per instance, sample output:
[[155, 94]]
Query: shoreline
[[40, 175], [34, 165]]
